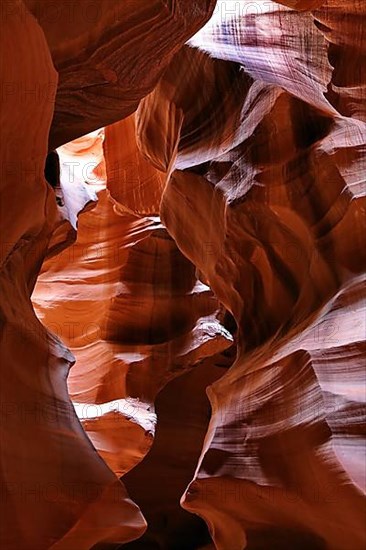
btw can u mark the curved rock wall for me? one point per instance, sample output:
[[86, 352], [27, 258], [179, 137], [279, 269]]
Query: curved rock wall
[[212, 225]]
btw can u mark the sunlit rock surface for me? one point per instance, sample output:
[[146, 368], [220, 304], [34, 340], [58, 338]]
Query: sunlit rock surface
[[197, 258], [137, 315]]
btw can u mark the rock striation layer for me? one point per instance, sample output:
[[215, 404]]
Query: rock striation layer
[[182, 213]]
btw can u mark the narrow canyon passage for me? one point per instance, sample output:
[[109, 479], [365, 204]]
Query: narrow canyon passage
[[183, 261]]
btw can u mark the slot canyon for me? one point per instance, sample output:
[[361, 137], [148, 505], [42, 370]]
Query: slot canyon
[[183, 262]]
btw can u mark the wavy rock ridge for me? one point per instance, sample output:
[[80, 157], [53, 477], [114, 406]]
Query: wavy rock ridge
[[201, 230]]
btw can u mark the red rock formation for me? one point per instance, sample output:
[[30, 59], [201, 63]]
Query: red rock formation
[[137, 316], [54, 485], [110, 54], [134, 184], [276, 215], [227, 195]]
